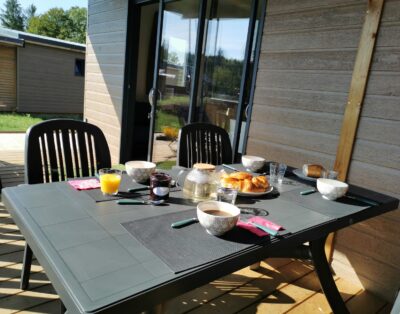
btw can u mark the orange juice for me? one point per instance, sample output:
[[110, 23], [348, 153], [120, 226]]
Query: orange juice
[[109, 182]]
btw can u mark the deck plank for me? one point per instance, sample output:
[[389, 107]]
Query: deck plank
[[366, 303], [318, 303], [282, 300], [197, 297], [255, 290], [48, 307]]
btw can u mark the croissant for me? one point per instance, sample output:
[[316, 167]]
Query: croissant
[[260, 182], [241, 175]]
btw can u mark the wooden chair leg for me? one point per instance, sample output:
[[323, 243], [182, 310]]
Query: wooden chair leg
[[26, 268]]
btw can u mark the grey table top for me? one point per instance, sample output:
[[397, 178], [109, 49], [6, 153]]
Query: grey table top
[[94, 262]]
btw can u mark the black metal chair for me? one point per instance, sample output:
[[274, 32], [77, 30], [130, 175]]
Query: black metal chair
[[59, 149], [202, 142]]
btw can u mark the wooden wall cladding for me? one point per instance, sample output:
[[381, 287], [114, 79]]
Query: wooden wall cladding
[[306, 64], [105, 64], [47, 81], [8, 78]]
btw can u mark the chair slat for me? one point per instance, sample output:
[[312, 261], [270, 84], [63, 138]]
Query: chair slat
[[75, 154], [83, 153], [66, 143], [45, 162], [91, 154], [60, 155]]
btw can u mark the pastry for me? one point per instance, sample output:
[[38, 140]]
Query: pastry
[[245, 182], [313, 170], [260, 182], [240, 175]]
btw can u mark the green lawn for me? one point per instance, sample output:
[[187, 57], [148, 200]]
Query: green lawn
[[17, 122], [20, 122], [166, 119]]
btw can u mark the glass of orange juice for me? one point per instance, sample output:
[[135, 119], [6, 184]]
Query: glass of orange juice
[[110, 180]]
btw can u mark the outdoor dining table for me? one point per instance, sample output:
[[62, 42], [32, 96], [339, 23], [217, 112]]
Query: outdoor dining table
[[102, 257]]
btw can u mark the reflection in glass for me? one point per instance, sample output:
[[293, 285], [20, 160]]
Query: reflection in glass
[[227, 29], [178, 44]]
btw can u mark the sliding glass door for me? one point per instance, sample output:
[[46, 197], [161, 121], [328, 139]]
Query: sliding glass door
[[193, 64]]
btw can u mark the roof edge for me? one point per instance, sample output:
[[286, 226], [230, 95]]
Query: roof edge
[[53, 43], [12, 41]]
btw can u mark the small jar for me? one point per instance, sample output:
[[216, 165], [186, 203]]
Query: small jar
[[200, 183]]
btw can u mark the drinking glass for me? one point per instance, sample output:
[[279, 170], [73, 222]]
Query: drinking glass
[[110, 180], [281, 172], [330, 174], [276, 172], [227, 195], [273, 172]]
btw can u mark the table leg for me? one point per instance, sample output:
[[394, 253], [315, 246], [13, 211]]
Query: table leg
[[325, 276], [62, 308], [26, 267]]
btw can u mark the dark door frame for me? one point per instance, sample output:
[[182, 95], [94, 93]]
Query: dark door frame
[[131, 56]]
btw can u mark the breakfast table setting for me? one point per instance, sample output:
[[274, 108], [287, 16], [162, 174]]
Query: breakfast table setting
[[129, 240]]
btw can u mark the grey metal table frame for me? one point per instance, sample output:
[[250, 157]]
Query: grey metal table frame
[[38, 212]]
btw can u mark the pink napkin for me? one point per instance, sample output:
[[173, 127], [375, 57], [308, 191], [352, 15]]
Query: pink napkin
[[251, 228], [261, 221], [87, 184], [266, 223]]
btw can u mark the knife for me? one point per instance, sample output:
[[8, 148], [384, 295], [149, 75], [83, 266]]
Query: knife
[[229, 167]]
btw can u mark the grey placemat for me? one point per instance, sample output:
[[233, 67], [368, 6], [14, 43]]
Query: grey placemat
[[334, 209], [190, 246]]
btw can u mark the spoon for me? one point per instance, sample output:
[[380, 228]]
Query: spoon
[[136, 201]]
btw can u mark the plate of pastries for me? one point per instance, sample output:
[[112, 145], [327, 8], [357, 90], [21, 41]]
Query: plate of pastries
[[246, 183], [310, 172]]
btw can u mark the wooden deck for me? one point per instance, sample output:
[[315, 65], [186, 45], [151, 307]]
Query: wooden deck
[[279, 286]]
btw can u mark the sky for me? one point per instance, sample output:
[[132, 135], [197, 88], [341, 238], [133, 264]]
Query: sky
[[44, 5]]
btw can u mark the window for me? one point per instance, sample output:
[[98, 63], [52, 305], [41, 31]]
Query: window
[[79, 67]]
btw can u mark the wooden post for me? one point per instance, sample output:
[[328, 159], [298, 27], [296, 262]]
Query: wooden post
[[356, 96]]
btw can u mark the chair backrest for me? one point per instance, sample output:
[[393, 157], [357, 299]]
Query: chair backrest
[[63, 148], [202, 142]]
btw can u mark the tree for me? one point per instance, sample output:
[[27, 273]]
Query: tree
[[61, 24], [30, 12], [78, 18], [53, 23], [12, 16]]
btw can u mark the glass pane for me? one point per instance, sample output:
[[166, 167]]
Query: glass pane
[[176, 66], [227, 29]]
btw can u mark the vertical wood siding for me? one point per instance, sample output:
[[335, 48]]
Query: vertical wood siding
[[8, 78], [306, 62], [105, 63], [47, 81]]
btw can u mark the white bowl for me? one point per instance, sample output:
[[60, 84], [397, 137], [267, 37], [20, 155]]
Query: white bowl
[[139, 170], [214, 224], [331, 189], [252, 163]]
